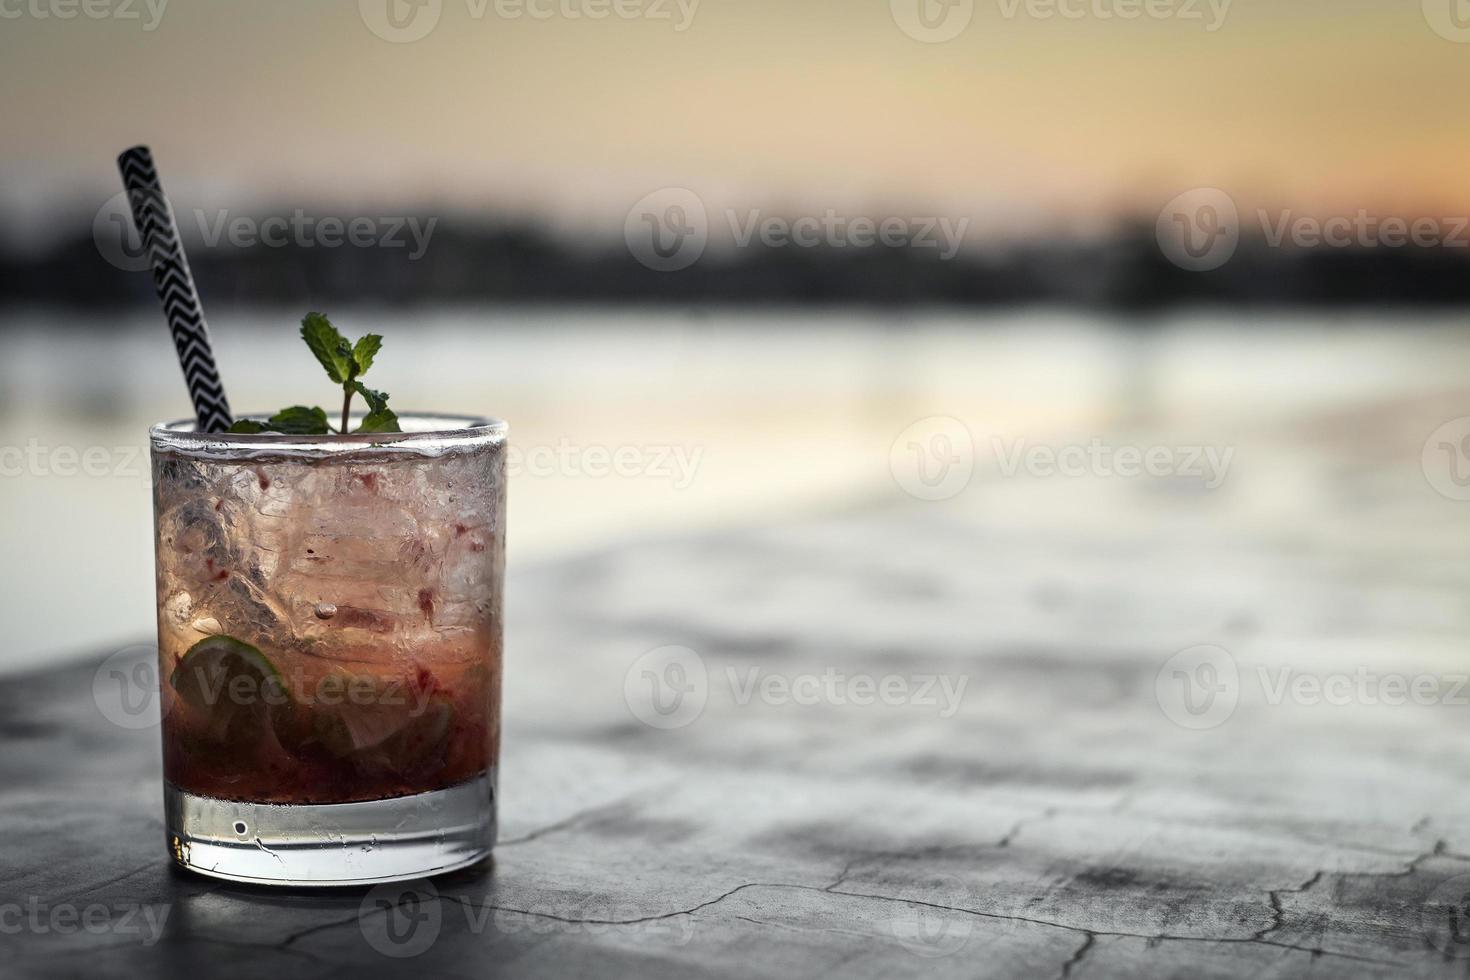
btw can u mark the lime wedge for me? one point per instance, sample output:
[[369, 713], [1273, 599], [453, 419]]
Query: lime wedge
[[231, 690]]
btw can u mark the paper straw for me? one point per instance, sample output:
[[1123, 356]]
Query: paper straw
[[175, 286]]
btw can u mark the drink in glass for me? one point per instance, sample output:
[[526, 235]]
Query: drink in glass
[[329, 619]]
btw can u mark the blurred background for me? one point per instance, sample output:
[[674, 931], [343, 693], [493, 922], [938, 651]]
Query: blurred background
[[726, 264]]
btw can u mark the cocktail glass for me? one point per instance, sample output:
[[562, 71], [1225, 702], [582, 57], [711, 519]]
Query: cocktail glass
[[329, 628]]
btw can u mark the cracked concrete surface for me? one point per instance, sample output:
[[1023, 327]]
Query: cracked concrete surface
[[1057, 825]]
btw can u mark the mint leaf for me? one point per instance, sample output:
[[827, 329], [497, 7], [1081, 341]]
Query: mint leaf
[[377, 400], [344, 363], [380, 417], [300, 420], [380, 421], [344, 353], [367, 348], [329, 346]]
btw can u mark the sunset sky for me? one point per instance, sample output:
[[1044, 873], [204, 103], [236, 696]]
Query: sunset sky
[[1326, 105]]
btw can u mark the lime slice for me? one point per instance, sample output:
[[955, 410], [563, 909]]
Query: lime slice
[[231, 690]]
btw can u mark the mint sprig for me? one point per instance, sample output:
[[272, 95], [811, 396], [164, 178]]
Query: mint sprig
[[344, 363]]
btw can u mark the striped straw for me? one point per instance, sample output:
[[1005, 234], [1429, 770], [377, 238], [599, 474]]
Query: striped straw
[[175, 285]]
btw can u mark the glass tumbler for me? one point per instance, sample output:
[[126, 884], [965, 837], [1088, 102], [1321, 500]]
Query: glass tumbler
[[329, 631]]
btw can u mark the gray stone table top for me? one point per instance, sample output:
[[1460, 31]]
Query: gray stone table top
[[1048, 728]]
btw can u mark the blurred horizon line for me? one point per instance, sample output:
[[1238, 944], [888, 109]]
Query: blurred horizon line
[[671, 250]]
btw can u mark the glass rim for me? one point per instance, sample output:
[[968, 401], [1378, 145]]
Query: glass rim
[[426, 434]]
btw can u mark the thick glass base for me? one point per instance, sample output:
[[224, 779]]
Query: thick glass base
[[332, 843]]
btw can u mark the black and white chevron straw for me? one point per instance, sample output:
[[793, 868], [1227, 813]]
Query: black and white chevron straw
[[175, 285]]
